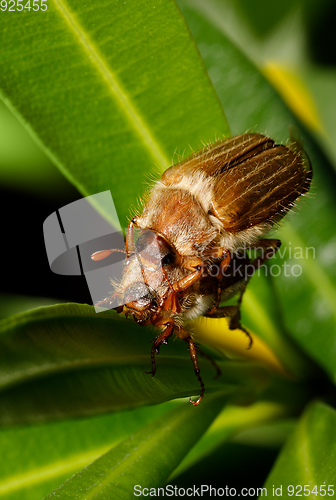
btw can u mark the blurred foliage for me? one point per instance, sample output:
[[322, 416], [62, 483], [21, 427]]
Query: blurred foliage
[[296, 37]]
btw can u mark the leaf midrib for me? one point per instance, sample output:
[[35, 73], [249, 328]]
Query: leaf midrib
[[134, 455], [33, 373], [51, 470], [40, 314], [134, 117]]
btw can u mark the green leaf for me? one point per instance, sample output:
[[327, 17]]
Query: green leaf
[[309, 455], [262, 423], [36, 459], [231, 421], [11, 304], [110, 91], [66, 360], [145, 459]]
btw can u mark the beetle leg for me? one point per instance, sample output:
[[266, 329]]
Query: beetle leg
[[161, 339], [171, 301], [209, 358], [233, 313], [193, 356], [224, 264], [195, 265], [269, 247]]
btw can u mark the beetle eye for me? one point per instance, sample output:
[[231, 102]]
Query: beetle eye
[[168, 259]]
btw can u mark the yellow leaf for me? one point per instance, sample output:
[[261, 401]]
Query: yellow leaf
[[295, 93]]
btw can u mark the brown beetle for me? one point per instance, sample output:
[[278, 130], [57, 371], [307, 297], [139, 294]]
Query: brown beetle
[[197, 223]]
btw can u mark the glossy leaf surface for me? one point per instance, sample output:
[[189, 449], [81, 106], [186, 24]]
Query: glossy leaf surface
[[66, 360], [35, 460], [109, 90], [145, 459], [308, 459]]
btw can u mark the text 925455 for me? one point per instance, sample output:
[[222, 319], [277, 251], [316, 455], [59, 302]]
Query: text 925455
[[23, 5]]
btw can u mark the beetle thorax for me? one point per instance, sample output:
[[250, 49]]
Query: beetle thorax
[[180, 217]]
